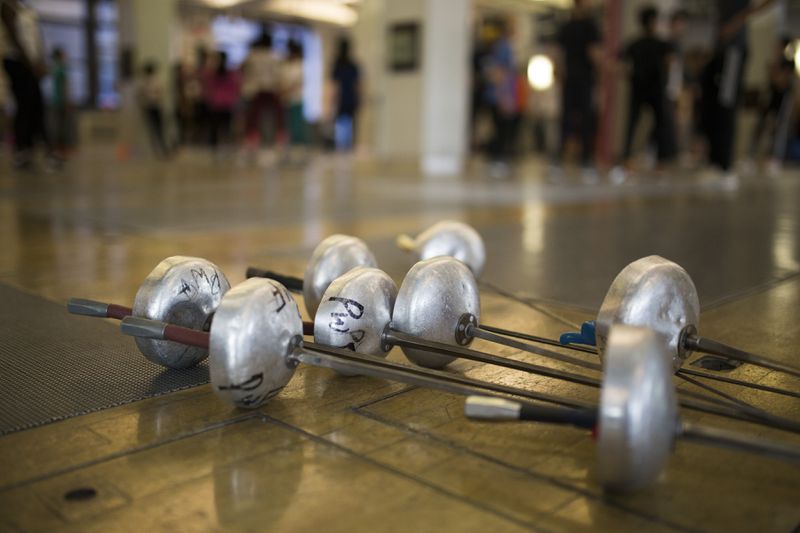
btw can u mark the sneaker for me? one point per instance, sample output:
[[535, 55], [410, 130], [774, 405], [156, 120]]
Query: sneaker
[[773, 168], [729, 181], [617, 175], [555, 174], [748, 167], [498, 169], [590, 176]]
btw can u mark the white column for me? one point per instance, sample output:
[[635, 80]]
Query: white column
[[445, 86], [148, 29], [154, 30]]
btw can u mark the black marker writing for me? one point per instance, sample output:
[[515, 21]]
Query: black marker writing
[[252, 383]]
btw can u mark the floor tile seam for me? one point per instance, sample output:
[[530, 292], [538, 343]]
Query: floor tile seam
[[129, 451], [397, 472], [531, 304], [751, 291], [530, 299], [523, 471], [374, 401], [536, 303]]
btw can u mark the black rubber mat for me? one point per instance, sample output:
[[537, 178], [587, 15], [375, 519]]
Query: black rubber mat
[[54, 365]]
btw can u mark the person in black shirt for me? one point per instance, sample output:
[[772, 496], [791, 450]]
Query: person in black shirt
[[649, 57], [579, 40]]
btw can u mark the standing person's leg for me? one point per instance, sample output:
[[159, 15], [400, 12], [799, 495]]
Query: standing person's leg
[[783, 121], [213, 129], [709, 106], [226, 127], [496, 144], [158, 127], [344, 131], [663, 129], [200, 123], [38, 112], [566, 118], [276, 111], [252, 123], [297, 124], [61, 128], [20, 80], [588, 127], [150, 122], [634, 112], [764, 113], [728, 96]]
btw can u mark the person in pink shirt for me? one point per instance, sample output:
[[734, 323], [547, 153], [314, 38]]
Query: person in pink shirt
[[223, 88]]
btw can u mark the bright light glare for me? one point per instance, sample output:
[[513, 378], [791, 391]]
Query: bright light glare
[[797, 56], [540, 72], [322, 10], [222, 4]]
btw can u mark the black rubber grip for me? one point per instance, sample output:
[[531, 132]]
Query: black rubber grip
[[290, 282], [582, 418]]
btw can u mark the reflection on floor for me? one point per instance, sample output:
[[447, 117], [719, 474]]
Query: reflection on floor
[[359, 453]]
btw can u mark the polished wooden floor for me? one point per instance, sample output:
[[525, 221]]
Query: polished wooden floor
[[360, 454]]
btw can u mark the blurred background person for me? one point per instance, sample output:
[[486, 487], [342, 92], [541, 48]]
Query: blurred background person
[[195, 87], [543, 106], [4, 122], [59, 103], [479, 81], [581, 53], [678, 100], [292, 85], [261, 90], [501, 96], [223, 90], [151, 94], [648, 59], [775, 111], [23, 61], [696, 149], [722, 83], [346, 76], [182, 103]]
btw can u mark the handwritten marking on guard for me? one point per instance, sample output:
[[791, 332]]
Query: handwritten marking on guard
[[190, 288], [281, 295], [353, 308], [252, 383]]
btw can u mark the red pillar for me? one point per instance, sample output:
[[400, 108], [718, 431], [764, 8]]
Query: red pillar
[[612, 22]]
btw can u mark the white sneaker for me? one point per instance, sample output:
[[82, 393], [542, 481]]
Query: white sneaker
[[747, 167], [498, 169], [555, 174], [589, 176], [773, 168], [617, 175], [729, 181]]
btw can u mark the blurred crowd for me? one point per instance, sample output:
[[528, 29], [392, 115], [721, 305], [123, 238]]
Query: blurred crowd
[[25, 64], [256, 105], [692, 97], [207, 102]]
